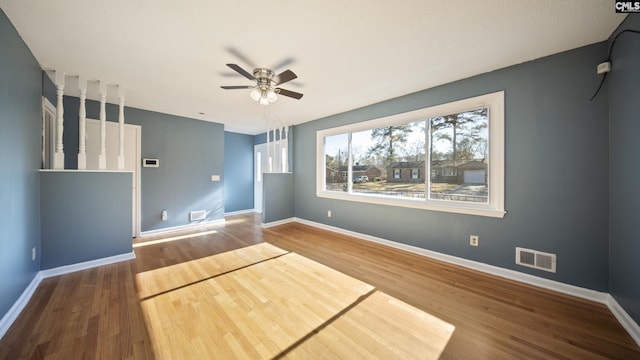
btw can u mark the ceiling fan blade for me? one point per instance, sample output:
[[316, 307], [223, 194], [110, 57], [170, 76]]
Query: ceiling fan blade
[[291, 94], [285, 62], [237, 87], [242, 57], [241, 71], [285, 76]]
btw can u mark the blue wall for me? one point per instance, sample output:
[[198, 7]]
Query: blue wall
[[624, 97], [190, 151], [238, 172], [20, 159], [278, 199], [95, 221], [556, 172]]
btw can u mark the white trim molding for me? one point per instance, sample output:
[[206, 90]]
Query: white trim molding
[[493, 103], [624, 318], [66, 269], [240, 212], [15, 310], [278, 222], [181, 227]]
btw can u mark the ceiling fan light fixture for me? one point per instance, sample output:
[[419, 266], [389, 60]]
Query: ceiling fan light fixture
[[263, 99], [271, 95], [255, 94]]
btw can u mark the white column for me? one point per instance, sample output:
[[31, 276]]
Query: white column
[[286, 153], [43, 135], [281, 160], [275, 151], [121, 127], [58, 156], [268, 154], [82, 124], [102, 158]]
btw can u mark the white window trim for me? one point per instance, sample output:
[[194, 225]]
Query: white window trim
[[495, 208]]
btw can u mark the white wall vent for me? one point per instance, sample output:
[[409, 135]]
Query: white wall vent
[[197, 215], [536, 259]]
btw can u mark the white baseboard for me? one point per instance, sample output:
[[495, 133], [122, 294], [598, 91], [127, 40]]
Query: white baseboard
[[15, 310], [279, 222], [66, 269], [624, 319], [596, 296], [182, 227], [240, 212]]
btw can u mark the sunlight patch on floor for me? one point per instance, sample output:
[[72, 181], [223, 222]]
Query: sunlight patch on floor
[[173, 238], [154, 282], [264, 302]]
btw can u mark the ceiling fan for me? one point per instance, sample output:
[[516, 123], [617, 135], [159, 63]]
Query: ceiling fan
[[265, 90]]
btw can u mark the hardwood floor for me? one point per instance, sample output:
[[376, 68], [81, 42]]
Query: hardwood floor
[[98, 313]]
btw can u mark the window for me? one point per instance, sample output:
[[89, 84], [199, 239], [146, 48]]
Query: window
[[457, 148]]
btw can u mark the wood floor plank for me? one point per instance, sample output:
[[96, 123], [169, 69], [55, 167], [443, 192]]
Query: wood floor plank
[[97, 313], [153, 282], [267, 306], [380, 327]]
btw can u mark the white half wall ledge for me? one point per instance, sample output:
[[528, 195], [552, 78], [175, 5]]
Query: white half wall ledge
[[15, 310], [587, 294]]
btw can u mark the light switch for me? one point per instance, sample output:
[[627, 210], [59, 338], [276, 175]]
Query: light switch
[[215, 177]]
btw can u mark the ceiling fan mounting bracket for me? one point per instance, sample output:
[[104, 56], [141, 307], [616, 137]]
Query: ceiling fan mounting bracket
[[264, 77]]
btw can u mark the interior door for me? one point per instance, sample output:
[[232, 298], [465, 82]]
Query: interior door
[[132, 158]]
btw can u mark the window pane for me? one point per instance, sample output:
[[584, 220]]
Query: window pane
[[459, 156], [385, 159], [366, 170], [336, 158]]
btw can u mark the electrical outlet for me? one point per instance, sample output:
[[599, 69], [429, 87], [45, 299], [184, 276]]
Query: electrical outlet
[[473, 240], [33, 254], [328, 213]]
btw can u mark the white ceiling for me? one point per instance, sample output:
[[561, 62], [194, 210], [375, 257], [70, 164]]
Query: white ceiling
[[170, 55]]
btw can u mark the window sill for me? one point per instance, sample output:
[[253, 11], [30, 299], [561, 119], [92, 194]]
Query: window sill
[[454, 207]]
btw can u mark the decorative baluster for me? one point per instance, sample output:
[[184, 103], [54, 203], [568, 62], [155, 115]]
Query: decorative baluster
[[286, 153], [82, 124], [281, 162], [102, 158], [121, 127], [268, 155], [58, 156], [275, 152]]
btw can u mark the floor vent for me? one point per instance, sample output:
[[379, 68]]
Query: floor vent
[[536, 259], [197, 215]]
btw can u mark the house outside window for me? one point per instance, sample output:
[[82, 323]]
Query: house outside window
[[459, 144], [450, 171]]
